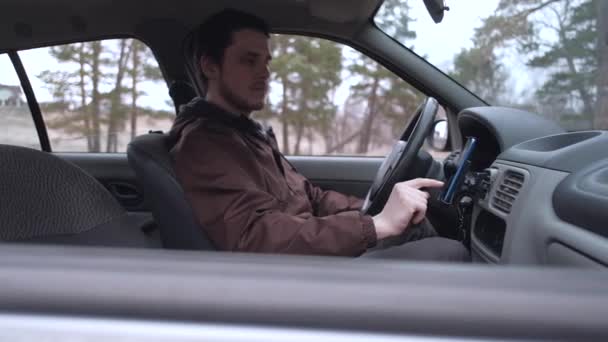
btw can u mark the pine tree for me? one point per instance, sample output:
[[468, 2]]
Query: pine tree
[[566, 40]]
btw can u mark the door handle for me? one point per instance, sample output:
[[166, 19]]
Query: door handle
[[124, 191]]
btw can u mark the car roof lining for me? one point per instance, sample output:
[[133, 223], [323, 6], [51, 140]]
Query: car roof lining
[[66, 20]]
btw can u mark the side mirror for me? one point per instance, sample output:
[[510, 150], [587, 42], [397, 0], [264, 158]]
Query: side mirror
[[438, 139]]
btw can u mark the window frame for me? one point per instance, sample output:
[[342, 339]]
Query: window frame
[[43, 138], [30, 94]]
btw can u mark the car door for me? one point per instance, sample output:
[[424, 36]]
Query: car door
[[100, 294]]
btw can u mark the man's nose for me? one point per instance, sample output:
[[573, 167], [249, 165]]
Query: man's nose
[[265, 73]]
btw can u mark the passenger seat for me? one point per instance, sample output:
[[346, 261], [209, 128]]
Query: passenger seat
[[45, 199]]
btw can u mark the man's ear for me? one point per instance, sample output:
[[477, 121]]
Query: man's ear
[[209, 68]]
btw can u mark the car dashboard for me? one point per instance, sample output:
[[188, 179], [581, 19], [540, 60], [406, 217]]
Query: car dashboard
[[541, 194]]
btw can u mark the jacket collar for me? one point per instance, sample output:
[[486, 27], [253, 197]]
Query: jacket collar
[[201, 108]]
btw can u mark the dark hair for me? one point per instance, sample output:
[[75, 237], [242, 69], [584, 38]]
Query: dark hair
[[214, 35]]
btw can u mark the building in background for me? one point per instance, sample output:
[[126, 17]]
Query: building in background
[[11, 96]]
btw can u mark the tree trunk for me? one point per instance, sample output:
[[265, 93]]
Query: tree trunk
[[95, 78], [368, 123], [329, 138], [310, 142], [284, 120], [83, 97], [134, 78], [114, 116], [601, 106], [343, 129], [300, 116], [299, 134], [580, 88]]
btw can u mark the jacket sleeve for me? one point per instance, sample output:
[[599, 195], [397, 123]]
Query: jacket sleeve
[[327, 202], [217, 173]]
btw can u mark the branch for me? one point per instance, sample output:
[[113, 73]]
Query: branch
[[529, 11], [341, 144]]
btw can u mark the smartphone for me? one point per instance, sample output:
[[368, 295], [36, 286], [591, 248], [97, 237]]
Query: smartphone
[[464, 162]]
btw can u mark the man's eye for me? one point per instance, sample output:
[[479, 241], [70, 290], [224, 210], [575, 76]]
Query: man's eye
[[250, 61]]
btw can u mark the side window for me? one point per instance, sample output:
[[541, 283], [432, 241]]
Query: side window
[[328, 99], [16, 123], [96, 96]]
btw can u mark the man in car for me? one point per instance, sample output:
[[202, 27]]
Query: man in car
[[245, 194]]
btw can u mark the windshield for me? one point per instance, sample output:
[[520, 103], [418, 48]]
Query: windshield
[[544, 56]]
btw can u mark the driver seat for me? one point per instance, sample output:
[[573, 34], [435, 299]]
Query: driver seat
[[149, 156]]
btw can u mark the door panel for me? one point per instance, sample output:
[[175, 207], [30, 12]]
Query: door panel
[[349, 175], [112, 170]]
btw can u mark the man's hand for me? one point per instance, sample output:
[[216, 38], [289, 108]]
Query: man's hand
[[406, 204]]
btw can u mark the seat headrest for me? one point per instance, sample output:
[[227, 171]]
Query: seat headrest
[[181, 92]]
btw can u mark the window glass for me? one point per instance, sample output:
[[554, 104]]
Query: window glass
[[328, 99], [96, 96], [547, 57], [16, 123]]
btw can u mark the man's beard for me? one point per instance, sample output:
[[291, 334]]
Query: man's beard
[[235, 100]]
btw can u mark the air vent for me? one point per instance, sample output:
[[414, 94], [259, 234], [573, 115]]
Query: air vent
[[507, 191]]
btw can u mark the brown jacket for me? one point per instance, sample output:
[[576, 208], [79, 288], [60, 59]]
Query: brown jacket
[[248, 197]]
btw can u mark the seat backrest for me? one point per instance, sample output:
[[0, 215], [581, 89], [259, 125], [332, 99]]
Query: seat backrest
[[149, 156], [45, 199]]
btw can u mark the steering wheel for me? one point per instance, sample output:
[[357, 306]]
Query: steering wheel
[[400, 164]]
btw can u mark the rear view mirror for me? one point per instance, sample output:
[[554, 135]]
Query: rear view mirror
[[436, 9]]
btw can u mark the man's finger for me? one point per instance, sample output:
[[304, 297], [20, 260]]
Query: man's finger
[[419, 183], [420, 197], [419, 215]]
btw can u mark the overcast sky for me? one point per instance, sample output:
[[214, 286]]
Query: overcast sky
[[438, 42]]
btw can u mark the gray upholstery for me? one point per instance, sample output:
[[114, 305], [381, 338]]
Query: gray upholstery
[[123, 231], [150, 158], [46, 199]]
